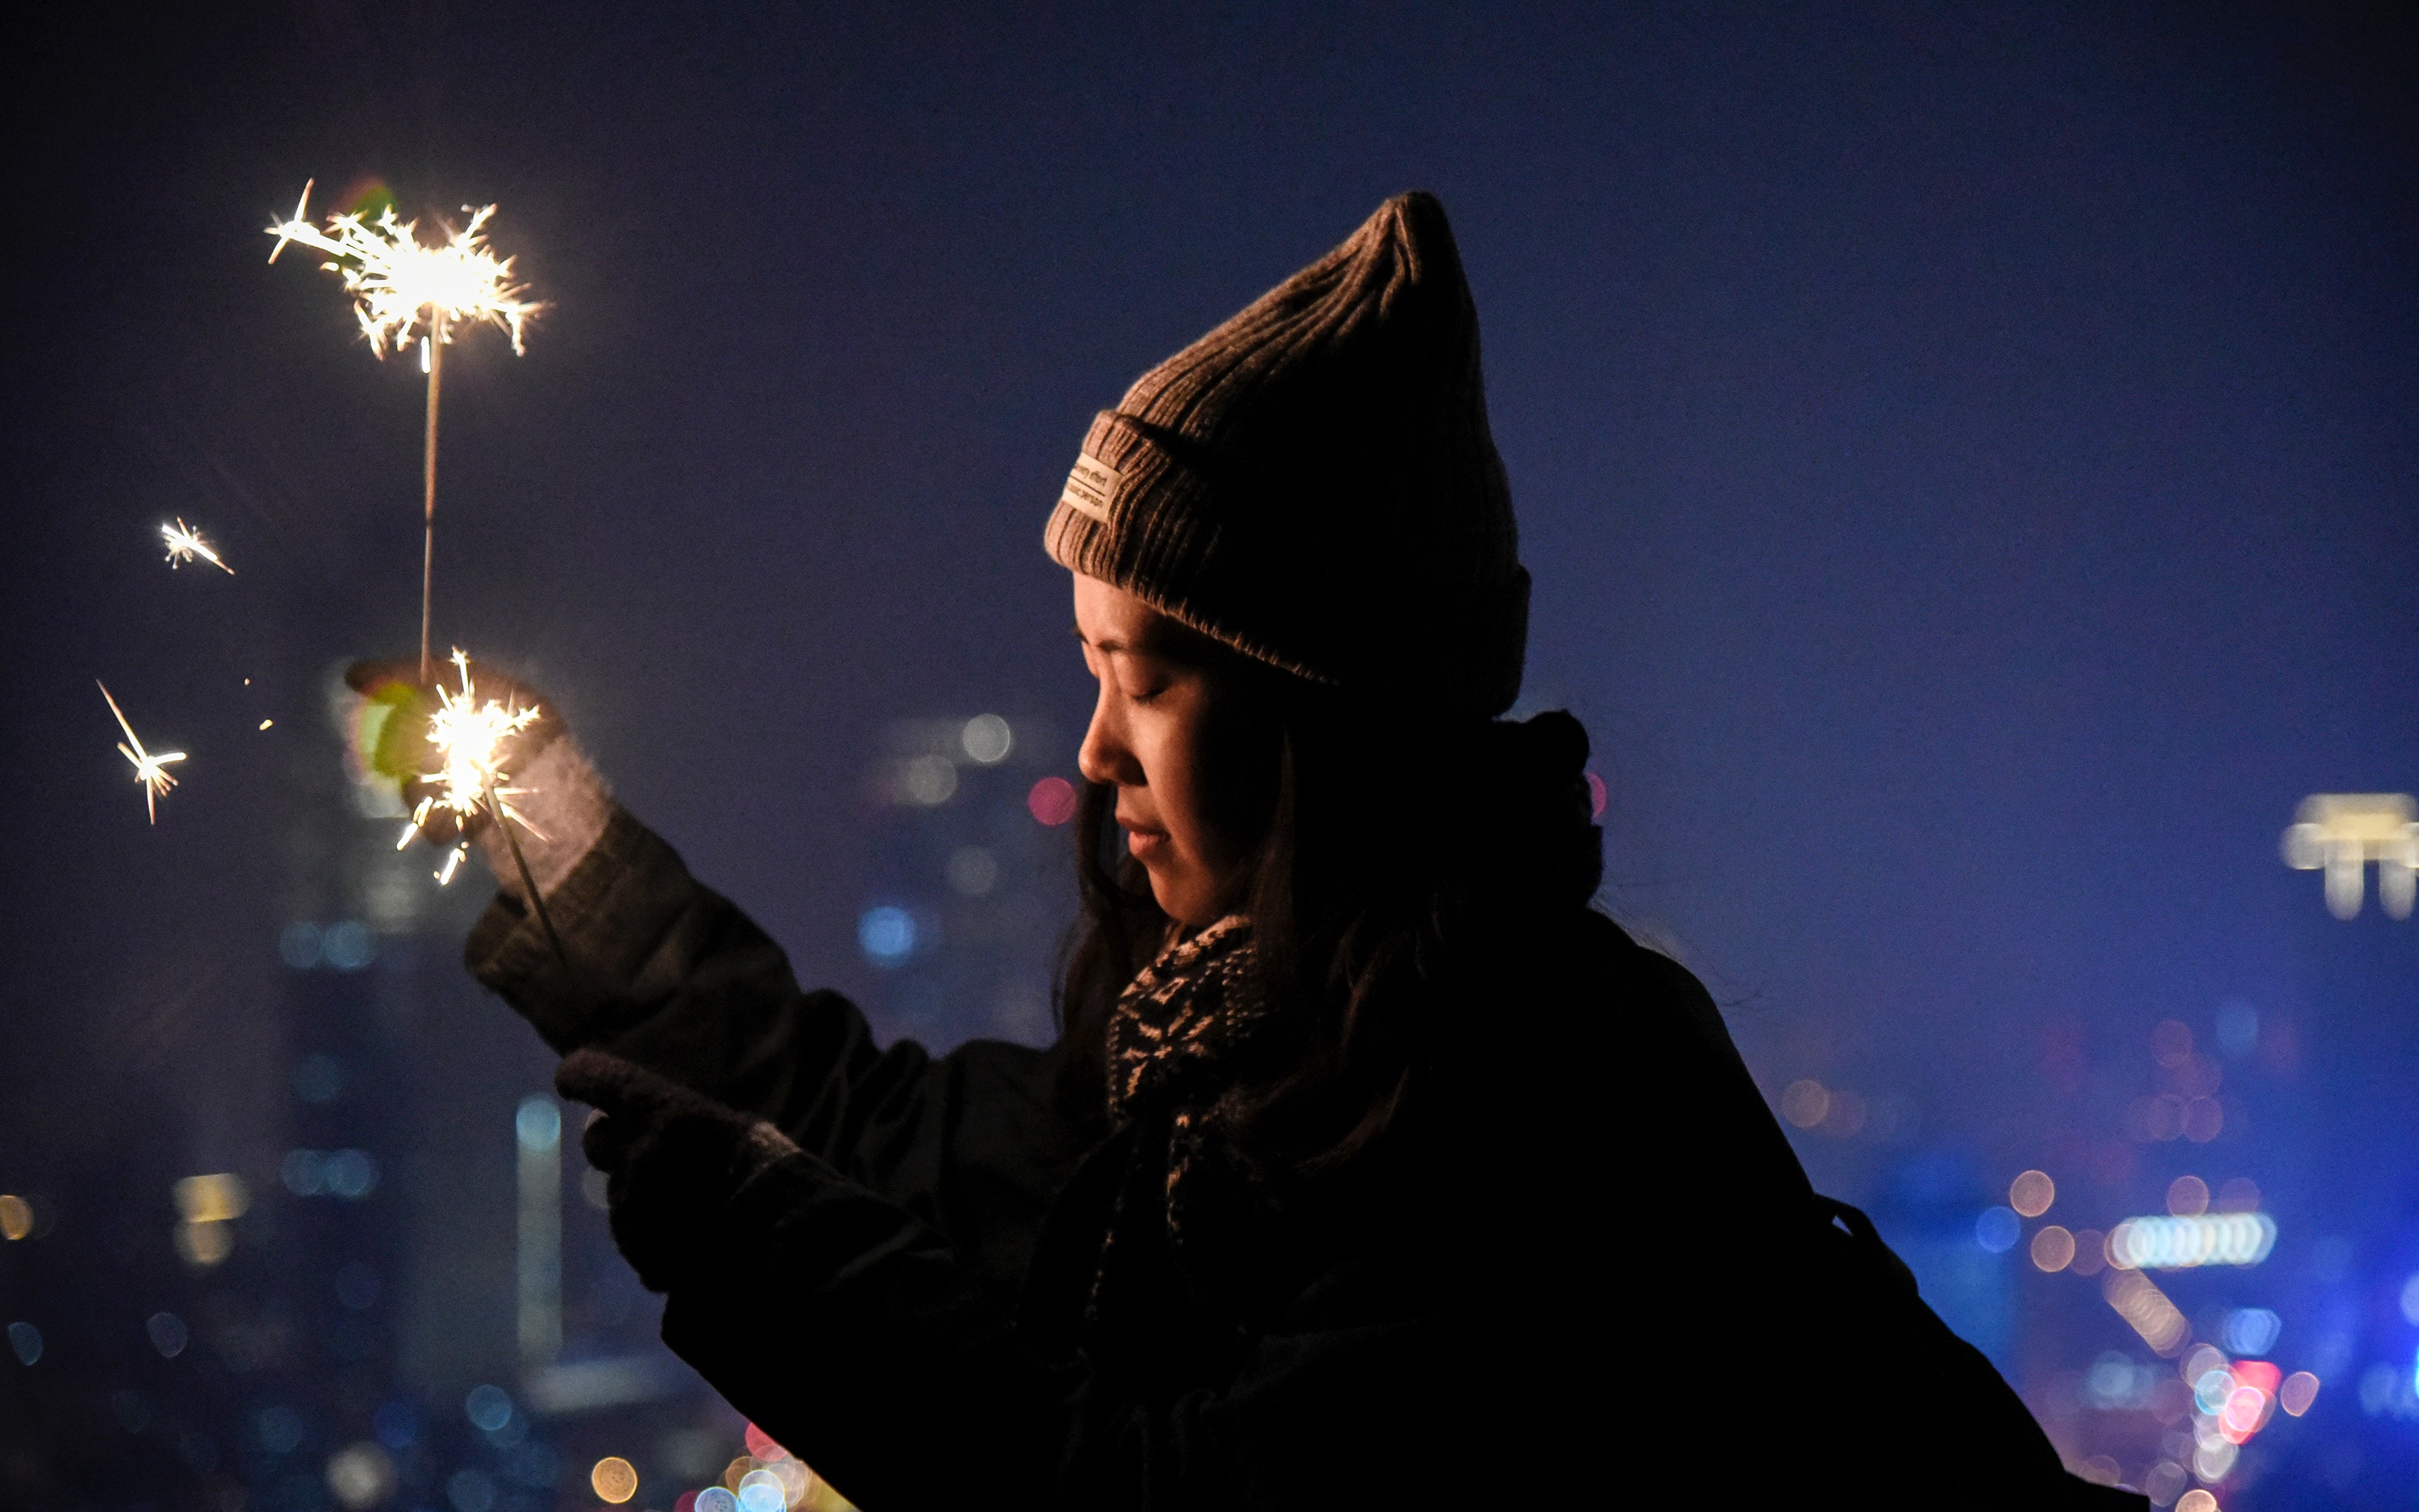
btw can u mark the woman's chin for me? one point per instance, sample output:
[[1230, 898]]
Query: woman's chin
[[1188, 900]]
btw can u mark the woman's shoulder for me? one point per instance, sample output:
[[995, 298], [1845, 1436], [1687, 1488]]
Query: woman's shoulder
[[1591, 982], [1613, 1053]]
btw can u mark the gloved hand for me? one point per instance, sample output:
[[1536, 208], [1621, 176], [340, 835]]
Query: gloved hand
[[673, 1161], [561, 800]]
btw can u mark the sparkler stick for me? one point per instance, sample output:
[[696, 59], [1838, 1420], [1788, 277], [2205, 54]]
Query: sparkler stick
[[529, 882], [149, 770], [431, 351], [185, 544], [400, 284]]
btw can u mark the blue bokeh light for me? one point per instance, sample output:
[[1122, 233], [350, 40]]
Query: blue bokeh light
[[397, 1426], [2251, 1331], [169, 1334], [539, 1122], [298, 945], [887, 935], [352, 1173], [487, 1407], [1998, 1229], [346, 946], [471, 1490]]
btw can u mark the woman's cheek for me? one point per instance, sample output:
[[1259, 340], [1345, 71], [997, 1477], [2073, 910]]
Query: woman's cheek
[[1183, 802]]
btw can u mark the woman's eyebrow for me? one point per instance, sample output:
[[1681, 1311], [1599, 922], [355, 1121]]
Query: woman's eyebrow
[[1111, 645]]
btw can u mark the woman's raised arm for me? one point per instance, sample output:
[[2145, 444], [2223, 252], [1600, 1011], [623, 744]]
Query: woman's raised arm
[[667, 974]]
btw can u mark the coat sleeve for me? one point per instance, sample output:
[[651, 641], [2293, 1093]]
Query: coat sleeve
[[847, 1331], [667, 972]]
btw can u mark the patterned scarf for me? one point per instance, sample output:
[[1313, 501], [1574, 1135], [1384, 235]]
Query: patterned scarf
[[1174, 1042], [1182, 1016]]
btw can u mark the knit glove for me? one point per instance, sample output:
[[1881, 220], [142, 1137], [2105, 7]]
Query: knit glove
[[674, 1161], [563, 800]]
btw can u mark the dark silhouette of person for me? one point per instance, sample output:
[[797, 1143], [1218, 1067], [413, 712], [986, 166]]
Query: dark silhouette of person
[[1373, 1165]]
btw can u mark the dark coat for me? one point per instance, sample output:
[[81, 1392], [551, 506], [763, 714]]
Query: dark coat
[[1595, 1265]]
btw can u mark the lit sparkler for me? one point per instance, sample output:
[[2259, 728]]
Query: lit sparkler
[[149, 770], [400, 284], [469, 736], [185, 544]]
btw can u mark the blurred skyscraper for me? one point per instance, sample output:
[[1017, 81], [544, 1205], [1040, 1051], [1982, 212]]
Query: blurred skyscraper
[[397, 1292], [972, 888]]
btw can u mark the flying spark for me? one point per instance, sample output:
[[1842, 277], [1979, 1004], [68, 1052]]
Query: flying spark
[[400, 284], [185, 544], [149, 770], [469, 736]]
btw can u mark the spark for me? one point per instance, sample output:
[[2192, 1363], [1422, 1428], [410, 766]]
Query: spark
[[401, 284], [185, 544], [149, 770], [469, 736]]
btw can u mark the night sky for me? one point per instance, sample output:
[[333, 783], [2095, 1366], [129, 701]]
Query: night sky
[[1966, 455]]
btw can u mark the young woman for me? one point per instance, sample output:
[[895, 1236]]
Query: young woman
[[1372, 1166]]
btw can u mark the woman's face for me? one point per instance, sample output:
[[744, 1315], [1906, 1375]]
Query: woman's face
[[1193, 764]]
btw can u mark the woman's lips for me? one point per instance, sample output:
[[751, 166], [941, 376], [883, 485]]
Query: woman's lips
[[1143, 843]]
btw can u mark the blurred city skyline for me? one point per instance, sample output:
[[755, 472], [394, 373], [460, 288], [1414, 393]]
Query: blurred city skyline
[[1965, 456]]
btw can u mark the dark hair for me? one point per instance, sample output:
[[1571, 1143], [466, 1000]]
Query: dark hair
[[1404, 860]]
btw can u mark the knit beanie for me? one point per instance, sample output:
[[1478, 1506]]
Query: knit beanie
[[1313, 482]]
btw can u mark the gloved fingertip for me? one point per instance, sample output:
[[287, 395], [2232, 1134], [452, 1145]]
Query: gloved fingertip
[[605, 1143], [592, 1076]]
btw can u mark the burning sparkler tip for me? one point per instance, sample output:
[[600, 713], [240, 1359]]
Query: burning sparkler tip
[[400, 285], [185, 544], [470, 736], [149, 770]]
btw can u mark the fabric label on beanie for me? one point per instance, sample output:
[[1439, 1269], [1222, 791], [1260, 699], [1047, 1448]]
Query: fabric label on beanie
[[1090, 486]]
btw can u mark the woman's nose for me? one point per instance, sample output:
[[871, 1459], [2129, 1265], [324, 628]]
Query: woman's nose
[[1104, 756]]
